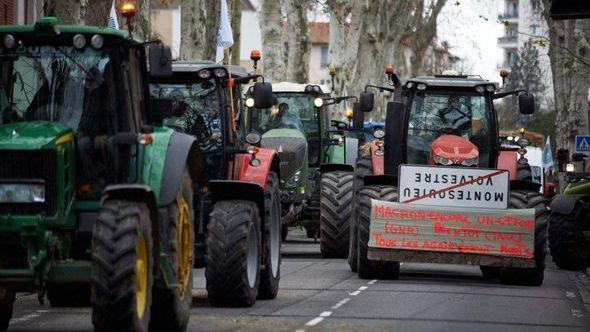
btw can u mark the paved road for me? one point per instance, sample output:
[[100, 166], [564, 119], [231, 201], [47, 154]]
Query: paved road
[[319, 295]]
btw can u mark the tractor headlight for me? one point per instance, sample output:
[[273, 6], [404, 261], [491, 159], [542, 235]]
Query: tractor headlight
[[470, 162], [22, 193], [438, 160], [569, 167], [294, 180], [318, 102], [250, 102]]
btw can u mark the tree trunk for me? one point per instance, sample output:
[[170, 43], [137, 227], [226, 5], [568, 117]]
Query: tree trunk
[[569, 51], [199, 20], [271, 25], [68, 12], [299, 40], [99, 12], [236, 25]]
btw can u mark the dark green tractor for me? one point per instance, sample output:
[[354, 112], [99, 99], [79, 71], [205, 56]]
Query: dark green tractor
[[95, 195], [569, 223], [317, 155]]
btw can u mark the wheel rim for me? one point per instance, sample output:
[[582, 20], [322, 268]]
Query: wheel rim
[[252, 259], [141, 276], [275, 239], [185, 249]]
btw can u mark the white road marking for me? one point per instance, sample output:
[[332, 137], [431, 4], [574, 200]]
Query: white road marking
[[24, 318], [362, 288], [372, 282], [355, 293], [326, 314], [341, 303], [577, 313], [314, 321], [570, 294], [300, 330]]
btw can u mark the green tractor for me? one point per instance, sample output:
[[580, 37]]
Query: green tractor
[[569, 223], [95, 197], [317, 155], [237, 199]]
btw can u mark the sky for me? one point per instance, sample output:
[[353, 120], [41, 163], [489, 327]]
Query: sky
[[471, 28]]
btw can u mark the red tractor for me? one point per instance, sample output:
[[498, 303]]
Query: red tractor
[[446, 127]]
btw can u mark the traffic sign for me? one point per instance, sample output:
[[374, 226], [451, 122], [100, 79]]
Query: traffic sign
[[582, 143], [454, 186]]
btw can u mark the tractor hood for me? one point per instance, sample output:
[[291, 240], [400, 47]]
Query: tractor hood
[[30, 135], [291, 146]]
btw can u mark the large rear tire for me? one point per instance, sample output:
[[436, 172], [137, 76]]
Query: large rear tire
[[336, 203], [233, 254], [171, 308], [566, 240], [270, 275], [122, 267], [530, 199], [364, 167], [370, 269], [6, 307]]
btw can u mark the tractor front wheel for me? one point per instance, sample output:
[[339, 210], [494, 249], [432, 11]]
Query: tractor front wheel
[[363, 167], [533, 276], [566, 240], [122, 267], [6, 306], [171, 308], [233, 254], [370, 269], [335, 213], [270, 275]]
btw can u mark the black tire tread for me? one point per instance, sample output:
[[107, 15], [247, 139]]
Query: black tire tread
[[335, 213], [566, 239], [269, 285], [363, 167], [7, 298]]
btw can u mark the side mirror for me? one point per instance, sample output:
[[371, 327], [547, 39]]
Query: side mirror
[[160, 108], [526, 103], [358, 117], [366, 101], [263, 96], [160, 61]]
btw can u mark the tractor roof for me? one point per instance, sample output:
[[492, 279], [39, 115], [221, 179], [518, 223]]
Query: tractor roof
[[455, 81], [68, 29], [195, 66], [295, 87]]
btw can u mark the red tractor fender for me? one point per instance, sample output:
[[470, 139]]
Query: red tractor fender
[[507, 161], [243, 171], [377, 160]]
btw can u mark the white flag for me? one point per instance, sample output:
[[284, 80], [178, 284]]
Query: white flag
[[547, 156], [225, 37], [113, 22]]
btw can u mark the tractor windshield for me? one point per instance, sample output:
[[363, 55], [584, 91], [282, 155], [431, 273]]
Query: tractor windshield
[[196, 111], [58, 84], [433, 114]]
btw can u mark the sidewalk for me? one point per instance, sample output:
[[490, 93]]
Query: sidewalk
[[582, 281]]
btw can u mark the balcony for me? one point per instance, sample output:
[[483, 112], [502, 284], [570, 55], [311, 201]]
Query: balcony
[[508, 17], [508, 42]]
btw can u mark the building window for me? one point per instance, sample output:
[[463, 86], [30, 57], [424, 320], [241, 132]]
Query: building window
[[534, 29], [325, 57], [536, 6]]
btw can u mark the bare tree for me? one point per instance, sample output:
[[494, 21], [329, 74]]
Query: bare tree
[[569, 52], [299, 41], [235, 7], [69, 12], [199, 23], [271, 24]]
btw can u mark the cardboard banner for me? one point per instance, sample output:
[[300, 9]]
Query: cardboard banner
[[453, 229]]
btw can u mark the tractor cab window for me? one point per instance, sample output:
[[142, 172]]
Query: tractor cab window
[[63, 86], [433, 114], [196, 111], [293, 111]]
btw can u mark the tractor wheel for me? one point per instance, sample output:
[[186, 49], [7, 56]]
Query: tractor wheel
[[524, 172], [490, 272], [122, 267], [6, 306], [566, 240], [335, 213], [364, 167], [530, 199], [271, 273], [171, 306], [69, 295], [370, 269], [233, 254], [284, 232]]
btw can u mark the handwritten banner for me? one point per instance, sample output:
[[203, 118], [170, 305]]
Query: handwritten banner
[[452, 229]]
